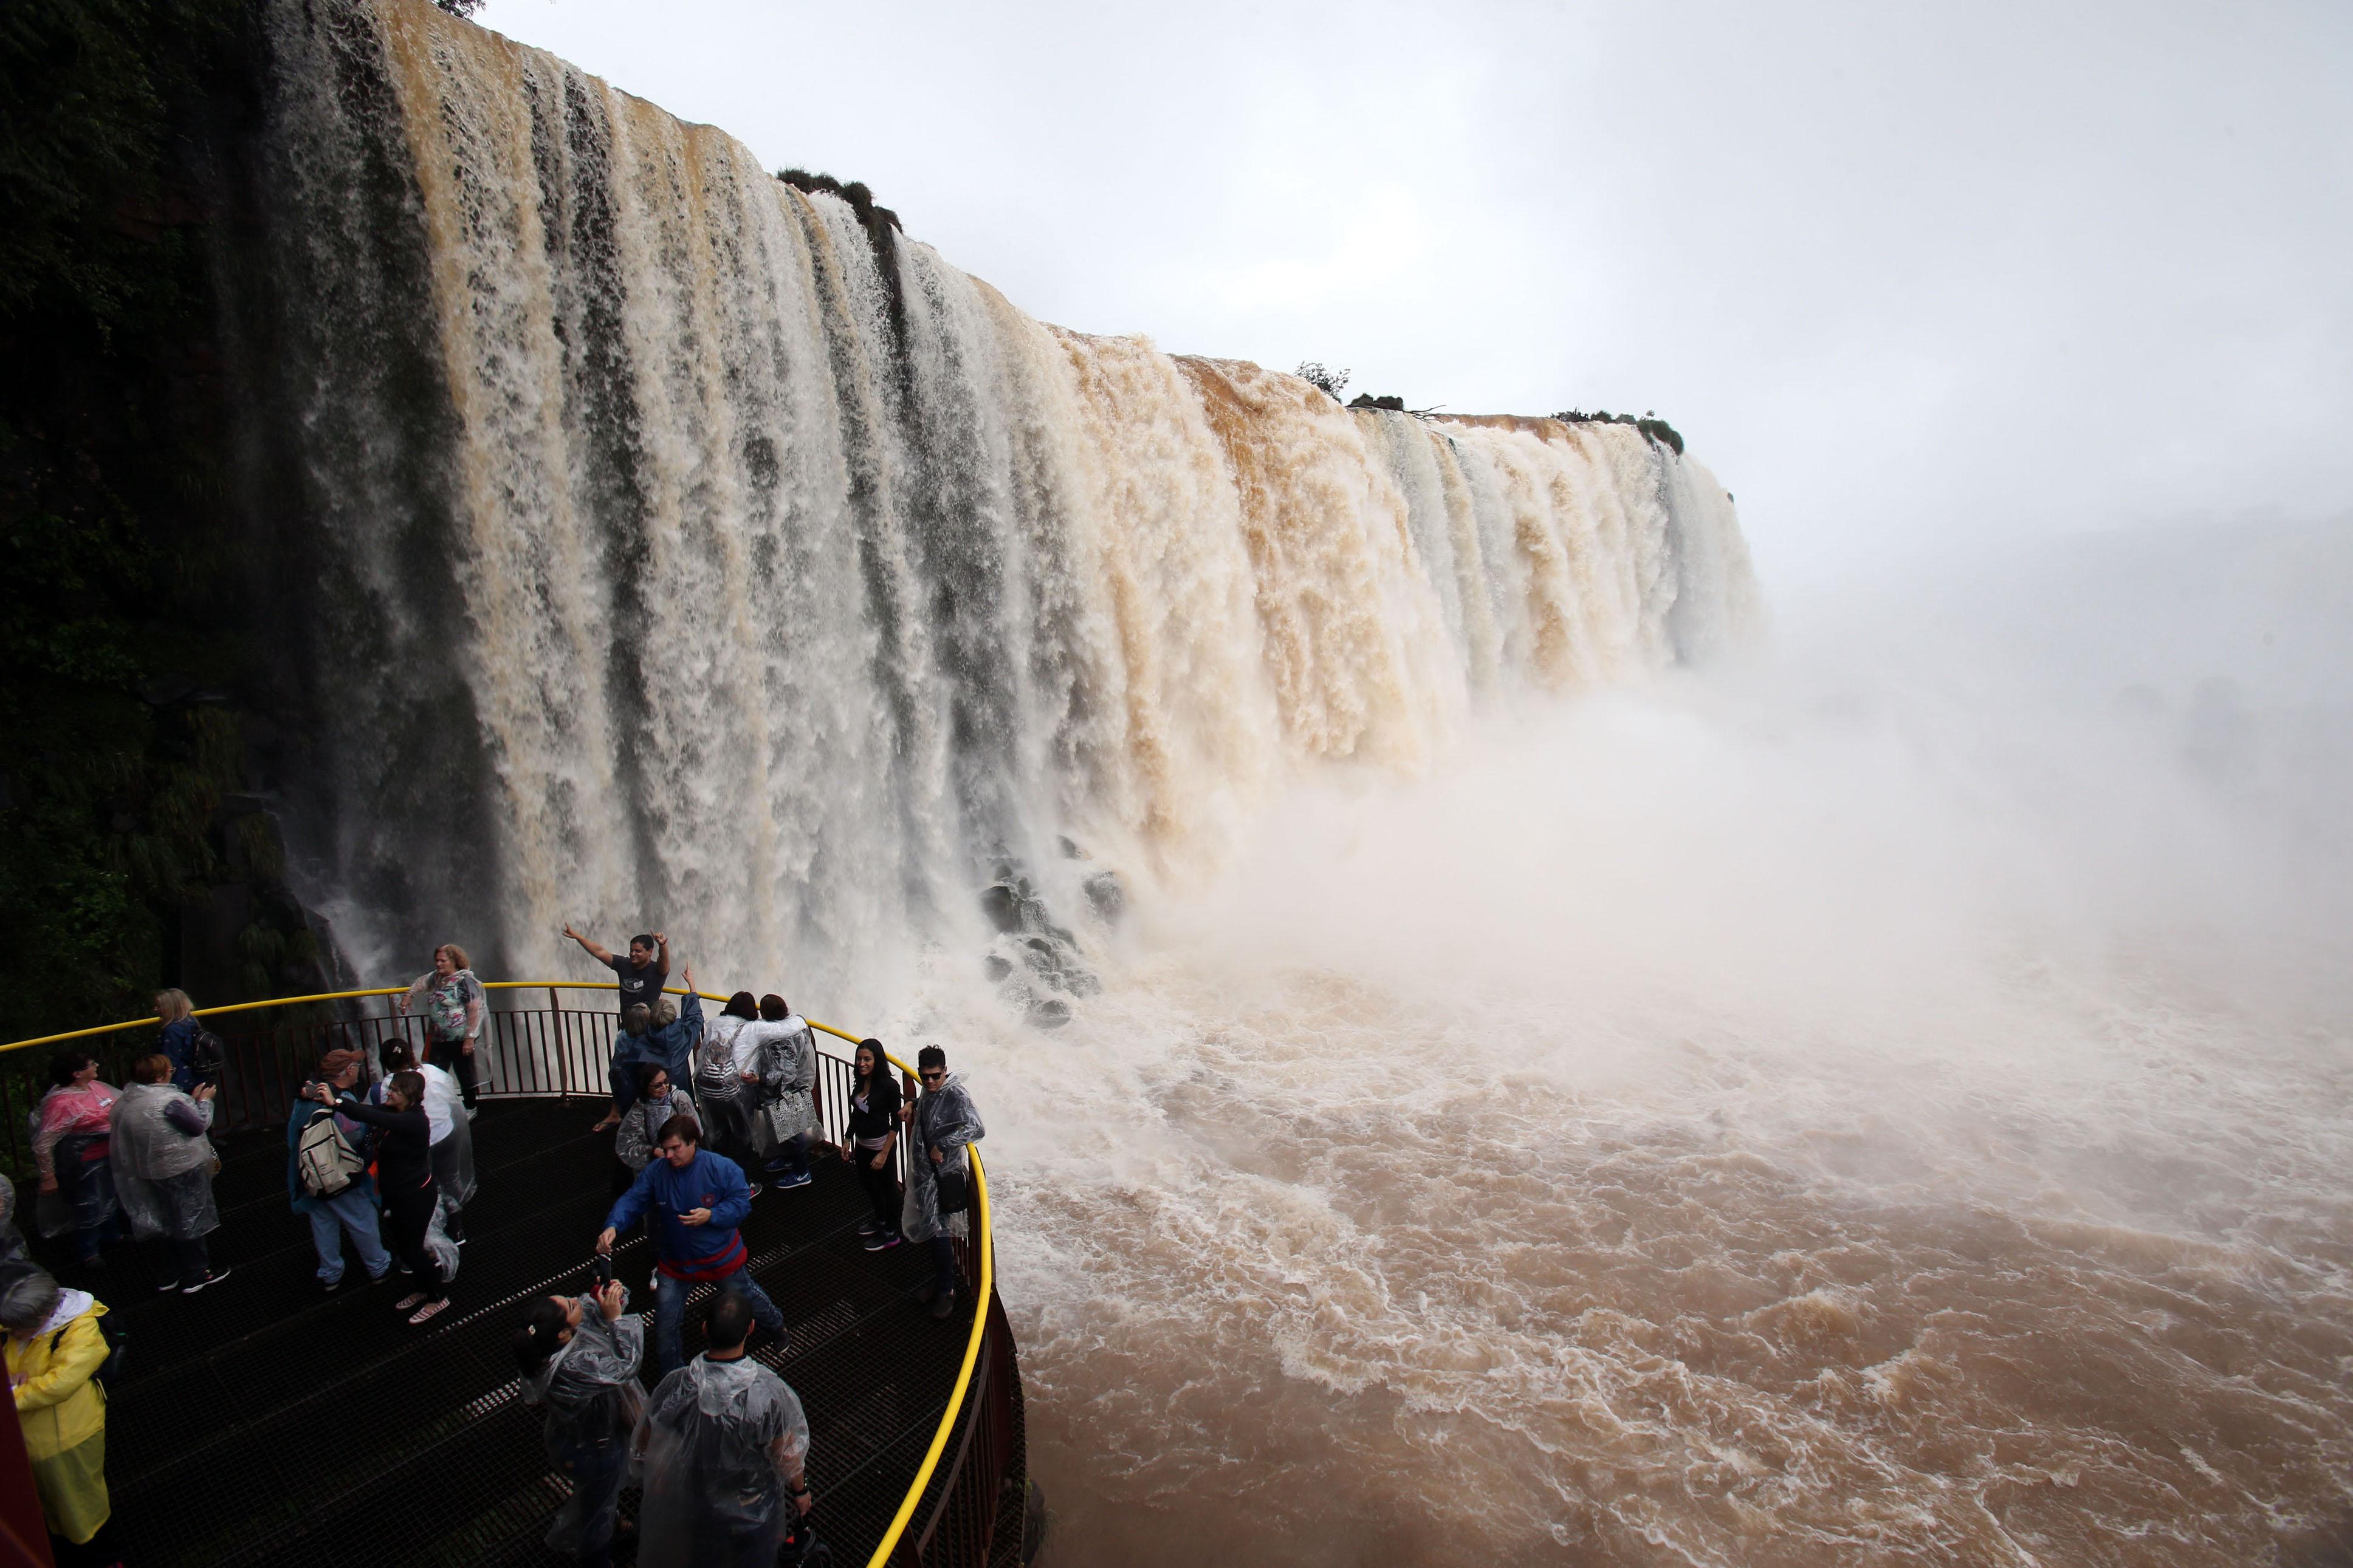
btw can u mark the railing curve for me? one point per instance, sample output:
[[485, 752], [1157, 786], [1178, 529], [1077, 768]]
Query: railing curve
[[537, 1052]]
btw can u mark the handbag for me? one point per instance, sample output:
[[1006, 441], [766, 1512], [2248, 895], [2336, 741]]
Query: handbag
[[955, 1191]]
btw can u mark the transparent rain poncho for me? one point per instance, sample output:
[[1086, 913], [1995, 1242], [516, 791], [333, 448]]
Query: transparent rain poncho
[[445, 1256], [730, 1109], [946, 1119], [718, 1438], [589, 1389], [641, 1125], [162, 1176], [787, 1068], [453, 1156]]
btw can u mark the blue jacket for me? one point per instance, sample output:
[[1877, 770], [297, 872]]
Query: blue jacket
[[689, 1251], [673, 1045], [179, 1038], [295, 1121]]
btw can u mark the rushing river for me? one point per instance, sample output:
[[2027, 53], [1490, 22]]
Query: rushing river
[[1809, 1120]]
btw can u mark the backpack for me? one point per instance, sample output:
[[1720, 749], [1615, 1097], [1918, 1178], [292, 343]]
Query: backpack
[[324, 1158], [109, 1371], [207, 1056]]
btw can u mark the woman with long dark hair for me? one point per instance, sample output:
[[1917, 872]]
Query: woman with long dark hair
[[71, 1128], [403, 1163], [453, 1137], [872, 1137]]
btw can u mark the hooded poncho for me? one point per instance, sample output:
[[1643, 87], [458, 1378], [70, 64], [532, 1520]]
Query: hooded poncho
[[590, 1392], [718, 1438]]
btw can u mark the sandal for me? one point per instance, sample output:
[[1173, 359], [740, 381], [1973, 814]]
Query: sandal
[[406, 1303], [427, 1310]]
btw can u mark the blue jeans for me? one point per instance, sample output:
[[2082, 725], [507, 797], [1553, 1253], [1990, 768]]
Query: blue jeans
[[792, 1156], [944, 1268], [670, 1316], [596, 1475], [352, 1213]]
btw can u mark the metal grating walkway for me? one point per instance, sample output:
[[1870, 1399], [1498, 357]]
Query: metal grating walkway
[[261, 1422]]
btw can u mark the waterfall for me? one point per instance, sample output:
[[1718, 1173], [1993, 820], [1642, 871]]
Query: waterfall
[[656, 547]]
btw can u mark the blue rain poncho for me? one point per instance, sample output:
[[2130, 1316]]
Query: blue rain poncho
[[589, 1389], [717, 1440], [946, 1118]]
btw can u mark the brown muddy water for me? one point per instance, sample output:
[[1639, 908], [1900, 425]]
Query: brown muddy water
[[1822, 1203]]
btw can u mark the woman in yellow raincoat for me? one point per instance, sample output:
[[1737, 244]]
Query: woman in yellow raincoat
[[53, 1345]]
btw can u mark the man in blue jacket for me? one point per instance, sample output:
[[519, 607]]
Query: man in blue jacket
[[697, 1199]]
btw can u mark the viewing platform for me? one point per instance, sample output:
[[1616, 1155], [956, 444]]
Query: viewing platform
[[265, 1421]]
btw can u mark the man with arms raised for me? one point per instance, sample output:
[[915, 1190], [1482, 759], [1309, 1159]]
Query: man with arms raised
[[695, 1199], [641, 975]]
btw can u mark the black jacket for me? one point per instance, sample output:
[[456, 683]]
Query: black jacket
[[882, 1113], [403, 1155]]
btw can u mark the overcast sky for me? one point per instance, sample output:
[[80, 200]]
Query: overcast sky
[[1907, 278]]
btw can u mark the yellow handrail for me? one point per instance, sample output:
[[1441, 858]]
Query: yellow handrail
[[981, 1298], [988, 1243], [149, 1023]]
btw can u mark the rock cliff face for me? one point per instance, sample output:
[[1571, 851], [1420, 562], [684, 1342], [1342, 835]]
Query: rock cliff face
[[138, 845], [656, 537]]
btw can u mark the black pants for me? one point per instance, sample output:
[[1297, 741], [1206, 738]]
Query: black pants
[[180, 1262], [411, 1214], [727, 1129], [452, 1058], [881, 1189]]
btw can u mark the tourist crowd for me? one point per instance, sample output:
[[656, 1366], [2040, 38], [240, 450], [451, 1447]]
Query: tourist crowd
[[380, 1163]]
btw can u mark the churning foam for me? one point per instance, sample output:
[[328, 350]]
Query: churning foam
[[1807, 1119]]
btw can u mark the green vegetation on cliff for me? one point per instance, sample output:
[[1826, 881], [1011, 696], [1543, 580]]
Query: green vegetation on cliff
[[1650, 425], [122, 737]]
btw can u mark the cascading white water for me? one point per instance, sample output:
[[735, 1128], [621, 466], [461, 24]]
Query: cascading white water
[[699, 555]]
